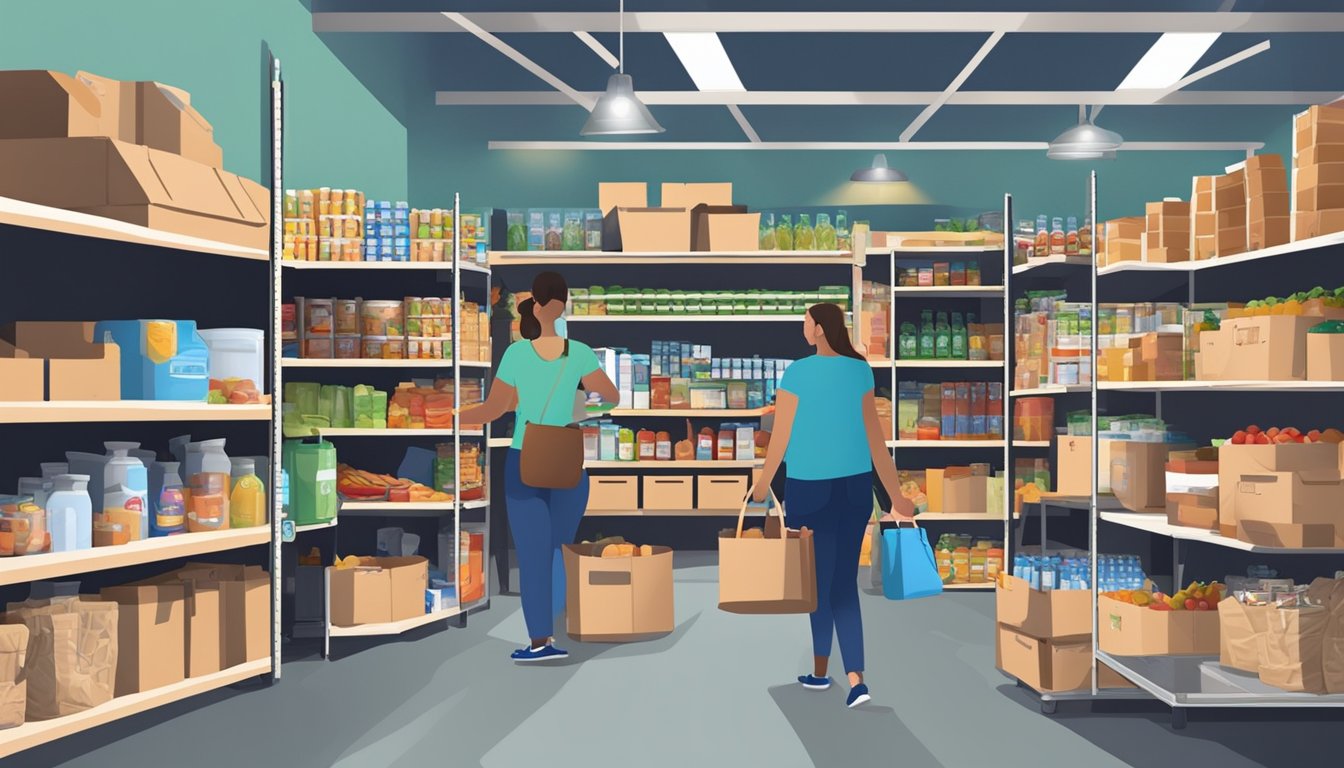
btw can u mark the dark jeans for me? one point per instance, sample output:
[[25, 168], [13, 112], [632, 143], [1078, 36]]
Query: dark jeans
[[542, 521], [837, 511]]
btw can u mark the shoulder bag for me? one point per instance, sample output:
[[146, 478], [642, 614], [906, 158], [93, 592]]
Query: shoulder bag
[[552, 457]]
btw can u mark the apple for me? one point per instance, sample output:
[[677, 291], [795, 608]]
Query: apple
[[1252, 430], [1261, 439], [1190, 604], [1272, 432], [1203, 605], [1292, 431], [1239, 438], [1314, 435]]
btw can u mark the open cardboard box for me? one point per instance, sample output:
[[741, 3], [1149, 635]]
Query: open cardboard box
[[1236, 461], [392, 590], [150, 635], [167, 121], [23, 377], [1042, 614], [1138, 473], [647, 230], [1325, 357], [1290, 497], [41, 104], [1137, 630], [1262, 348], [77, 367], [724, 228], [616, 599], [688, 196]]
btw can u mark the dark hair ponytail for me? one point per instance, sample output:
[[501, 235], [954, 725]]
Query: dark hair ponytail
[[832, 321], [546, 287], [529, 327]]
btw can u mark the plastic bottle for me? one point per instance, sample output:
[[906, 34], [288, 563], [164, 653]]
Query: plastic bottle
[[247, 501], [126, 484], [907, 347], [1071, 237], [784, 233], [959, 341], [647, 445], [1042, 245], [1058, 240], [207, 486], [927, 348], [663, 446], [704, 445], [825, 233], [843, 239], [50, 470], [169, 513], [625, 445], [942, 337], [804, 237], [70, 513]]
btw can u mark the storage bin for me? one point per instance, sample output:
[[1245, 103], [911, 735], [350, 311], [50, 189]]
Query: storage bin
[[160, 359], [237, 353], [668, 492], [717, 492], [613, 492]]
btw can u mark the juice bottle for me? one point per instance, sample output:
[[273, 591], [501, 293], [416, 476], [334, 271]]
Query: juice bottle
[[784, 233], [942, 337], [843, 240], [170, 510], [647, 445], [1042, 245], [825, 233], [926, 337], [767, 239], [908, 345], [959, 345], [625, 445], [804, 237], [247, 501], [663, 446], [1058, 240], [1071, 237]]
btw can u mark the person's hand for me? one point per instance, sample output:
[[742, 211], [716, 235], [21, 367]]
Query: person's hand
[[760, 493], [902, 509]]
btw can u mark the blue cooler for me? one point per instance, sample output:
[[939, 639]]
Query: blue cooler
[[173, 365]]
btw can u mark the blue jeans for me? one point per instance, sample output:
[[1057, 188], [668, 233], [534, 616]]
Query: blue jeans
[[837, 511], [542, 521]]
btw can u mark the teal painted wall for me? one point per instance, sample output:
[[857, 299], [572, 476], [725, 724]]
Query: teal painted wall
[[339, 133]]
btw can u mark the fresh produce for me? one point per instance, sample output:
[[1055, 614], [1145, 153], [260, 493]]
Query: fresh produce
[[616, 546], [1198, 596], [233, 391], [1253, 435]]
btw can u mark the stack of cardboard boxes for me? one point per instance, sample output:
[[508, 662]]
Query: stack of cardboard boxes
[[475, 332], [1192, 489], [1168, 231], [137, 152], [1044, 638], [1123, 240], [1318, 172], [1156, 356], [1229, 208], [1203, 220], [1266, 202], [699, 217], [57, 361], [1284, 495]]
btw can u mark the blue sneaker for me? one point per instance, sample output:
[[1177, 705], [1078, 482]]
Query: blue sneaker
[[858, 695], [546, 652], [814, 683]]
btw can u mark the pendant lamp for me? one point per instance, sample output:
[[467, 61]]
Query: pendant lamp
[[878, 172], [619, 111], [1085, 141]]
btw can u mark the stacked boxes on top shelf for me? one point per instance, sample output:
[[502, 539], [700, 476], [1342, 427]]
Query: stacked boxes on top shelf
[[1318, 172], [1266, 202], [1168, 231], [1229, 207]]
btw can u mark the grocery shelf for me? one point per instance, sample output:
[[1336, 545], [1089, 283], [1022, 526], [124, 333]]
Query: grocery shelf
[[765, 258], [499, 442], [1300, 246], [751, 512], [317, 526], [746, 413], [391, 266], [936, 517], [1052, 261], [362, 362], [1031, 443], [394, 627], [360, 432], [74, 411], [1061, 389], [404, 508], [945, 443], [987, 586], [34, 733], [719, 464], [785, 318], [33, 216], [25, 568], [948, 291], [949, 363], [899, 249], [1237, 386], [879, 363], [1200, 681], [1157, 524]]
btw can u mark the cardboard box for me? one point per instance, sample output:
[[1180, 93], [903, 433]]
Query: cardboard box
[[1321, 197], [1193, 510], [40, 104], [1170, 254], [117, 100], [1266, 233], [1169, 212], [1231, 241], [245, 608], [967, 495], [613, 492], [1074, 475], [1231, 218], [1125, 228], [1139, 476], [1046, 665], [668, 492], [150, 634], [167, 121], [1325, 357], [1203, 248], [1320, 174], [1134, 630], [647, 230], [203, 613], [1154, 345], [391, 591], [1265, 348], [1320, 124], [1291, 535], [1308, 224], [1123, 250], [688, 196], [624, 194], [138, 185], [1290, 497], [1229, 190], [1060, 613], [1318, 155], [76, 367], [614, 599], [720, 492], [724, 228], [23, 377], [934, 482], [1234, 461], [1270, 205]]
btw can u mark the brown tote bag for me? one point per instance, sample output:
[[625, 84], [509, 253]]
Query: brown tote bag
[[552, 457], [767, 575]]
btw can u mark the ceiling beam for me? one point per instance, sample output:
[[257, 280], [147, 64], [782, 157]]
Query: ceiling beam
[[1079, 22], [1217, 66], [904, 98], [514, 54], [867, 146], [599, 49], [743, 124], [952, 87]]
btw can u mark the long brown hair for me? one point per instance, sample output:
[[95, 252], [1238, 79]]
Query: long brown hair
[[832, 321], [546, 287]]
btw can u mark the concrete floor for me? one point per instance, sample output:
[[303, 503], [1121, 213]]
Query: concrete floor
[[718, 691]]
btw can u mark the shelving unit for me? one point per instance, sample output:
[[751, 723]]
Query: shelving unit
[[54, 565], [574, 258], [945, 444], [83, 411], [293, 362], [790, 318], [949, 364], [946, 292], [668, 513], [370, 432], [716, 464], [708, 413]]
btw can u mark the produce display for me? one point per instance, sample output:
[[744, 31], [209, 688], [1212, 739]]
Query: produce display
[[1198, 596], [779, 232], [959, 410], [412, 405], [618, 300], [954, 340], [1253, 435], [360, 485], [233, 391], [617, 546], [552, 229]]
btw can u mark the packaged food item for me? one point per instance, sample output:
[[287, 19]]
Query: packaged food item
[[346, 347], [383, 348], [383, 318], [346, 316], [317, 348], [317, 316]]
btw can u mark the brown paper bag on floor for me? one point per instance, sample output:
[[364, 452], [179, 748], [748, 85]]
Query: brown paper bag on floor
[[1241, 629], [1330, 593], [13, 679], [767, 575], [71, 662], [1292, 644]]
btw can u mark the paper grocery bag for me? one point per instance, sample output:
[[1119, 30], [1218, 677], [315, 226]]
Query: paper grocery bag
[[1330, 593], [1292, 649], [13, 678], [1241, 628], [767, 575], [71, 662]]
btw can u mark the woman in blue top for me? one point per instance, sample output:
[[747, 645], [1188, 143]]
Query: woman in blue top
[[537, 378], [828, 435]]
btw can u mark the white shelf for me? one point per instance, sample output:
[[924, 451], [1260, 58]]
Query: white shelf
[[316, 526], [38, 732], [945, 443], [22, 214], [500, 442], [304, 362], [948, 291], [52, 565], [949, 249], [1050, 261], [744, 413], [1031, 443], [949, 363], [725, 464], [787, 318], [358, 432], [985, 587], [1233, 386], [753, 512], [1051, 390], [1200, 681], [392, 628], [74, 411], [1157, 524], [936, 517], [1301, 246], [405, 508], [879, 363], [764, 258], [391, 266]]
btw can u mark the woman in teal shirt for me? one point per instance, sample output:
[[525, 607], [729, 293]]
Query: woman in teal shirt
[[538, 377], [828, 436]]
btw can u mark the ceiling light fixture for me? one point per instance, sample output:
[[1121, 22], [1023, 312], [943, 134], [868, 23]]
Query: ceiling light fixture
[[878, 172], [619, 111], [1170, 58], [1085, 141]]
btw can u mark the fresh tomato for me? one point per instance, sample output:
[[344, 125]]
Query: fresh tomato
[[1261, 439], [1314, 435], [1272, 432], [1239, 438], [1203, 605], [1252, 430], [1190, 604], [1292, 431]]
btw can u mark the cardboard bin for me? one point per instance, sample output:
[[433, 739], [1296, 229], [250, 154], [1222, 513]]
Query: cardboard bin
[[724, 228], [720, 492], [1325, 357], [1139, 475], [167, 121], [1234, 461], [1193, 510], [689, 196], [1074, 476], [393, 590], [1046, 664], [647, 230], [1264, 348], [203, 613], [965, 495], [77, 368], [1135, 630], [245, 605], [150, 636], [669, 492], [40, 104], [1043, 614], [622, 194], [613, 492], [1290, 535], [23, 377], [1290, 497], [617, 599]]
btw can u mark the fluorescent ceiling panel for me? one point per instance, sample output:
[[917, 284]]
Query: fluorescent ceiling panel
[[1170, 58], [706, 61]]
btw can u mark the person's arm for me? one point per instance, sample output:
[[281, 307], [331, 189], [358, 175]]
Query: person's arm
[[786, 406], [502, 399], [600, 383], [882, 463]]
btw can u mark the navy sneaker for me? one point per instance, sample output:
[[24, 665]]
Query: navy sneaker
[[858, 695], [546, 652], [814, 683]]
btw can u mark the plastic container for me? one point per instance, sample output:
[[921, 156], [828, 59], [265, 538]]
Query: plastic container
[[207, 486], [23, 527], [70, 513], [168, 511], [247, 499], [160, 359], [318, 316], [126, 484], [383, 348], [345, 316], [237, 353], [32, 487], [647, 445], [663, 446], [346, 347], [625, 445], [311, 465], [50, 469], [382, 318], [91, 465]]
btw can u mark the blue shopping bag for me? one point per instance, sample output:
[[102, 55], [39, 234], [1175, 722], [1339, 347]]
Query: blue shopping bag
[[908, 568]]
